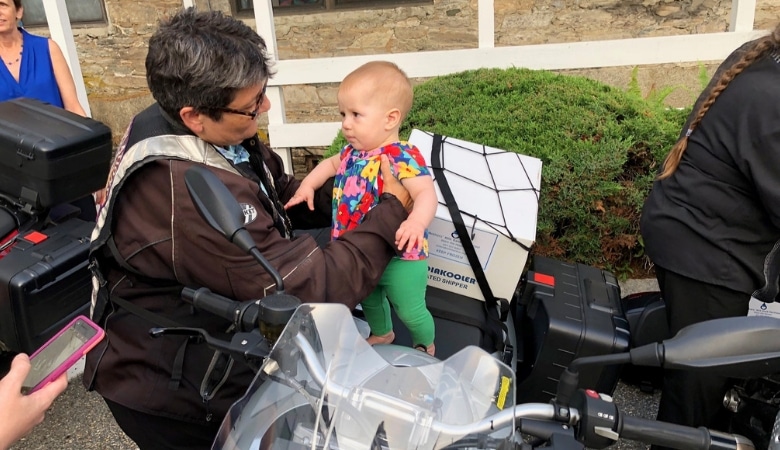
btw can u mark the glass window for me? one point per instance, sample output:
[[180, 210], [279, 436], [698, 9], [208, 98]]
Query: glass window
[[79, 11], [246, 5], [282, 3], [301, 5]]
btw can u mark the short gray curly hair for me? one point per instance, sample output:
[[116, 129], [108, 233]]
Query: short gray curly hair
[[200, 59]]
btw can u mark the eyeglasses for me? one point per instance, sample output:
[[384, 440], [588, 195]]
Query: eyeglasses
[[252, 114]]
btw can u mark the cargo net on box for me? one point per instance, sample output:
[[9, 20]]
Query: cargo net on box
[[496, 187]]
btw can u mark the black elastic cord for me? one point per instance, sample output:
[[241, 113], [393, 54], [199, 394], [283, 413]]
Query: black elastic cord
[[457, 220], [497, 327]]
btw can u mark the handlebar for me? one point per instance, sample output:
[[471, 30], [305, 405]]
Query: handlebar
[[205, 300], [678, 436], [269, 313]]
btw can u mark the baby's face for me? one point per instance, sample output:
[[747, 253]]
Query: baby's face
[[364, 117]]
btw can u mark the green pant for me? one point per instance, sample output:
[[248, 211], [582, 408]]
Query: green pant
[[403, 284]]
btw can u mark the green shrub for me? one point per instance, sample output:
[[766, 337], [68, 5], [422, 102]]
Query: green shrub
[[600, 147]]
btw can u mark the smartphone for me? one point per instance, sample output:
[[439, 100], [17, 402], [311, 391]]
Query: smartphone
[[61, 352]]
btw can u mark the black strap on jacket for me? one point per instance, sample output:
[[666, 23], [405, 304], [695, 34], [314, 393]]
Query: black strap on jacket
[[495, 308], [221, 365], [160, 286], [109, 256], [160, 321]]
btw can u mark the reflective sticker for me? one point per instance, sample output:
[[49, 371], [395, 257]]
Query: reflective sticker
[[250, 213], [503, 390]]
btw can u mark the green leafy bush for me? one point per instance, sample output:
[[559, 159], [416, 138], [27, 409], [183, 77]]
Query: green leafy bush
[[600, 148]]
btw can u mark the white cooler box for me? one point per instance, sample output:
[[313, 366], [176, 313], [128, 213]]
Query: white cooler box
[[497, 193]]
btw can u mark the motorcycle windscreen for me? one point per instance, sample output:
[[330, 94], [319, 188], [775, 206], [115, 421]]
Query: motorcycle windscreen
[[324, 387]]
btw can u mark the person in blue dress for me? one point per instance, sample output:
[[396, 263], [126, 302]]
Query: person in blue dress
[[33, 66]]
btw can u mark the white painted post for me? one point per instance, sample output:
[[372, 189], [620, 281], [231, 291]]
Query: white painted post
[[487, 26], [264, 21], [61, 33], [188, 3], [743, 14]]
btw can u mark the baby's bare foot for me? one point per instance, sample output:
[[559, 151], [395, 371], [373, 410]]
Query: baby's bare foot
[[383, 339], [429, 349]]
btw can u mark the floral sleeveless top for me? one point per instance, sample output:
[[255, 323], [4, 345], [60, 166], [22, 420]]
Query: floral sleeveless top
[[358, 185]]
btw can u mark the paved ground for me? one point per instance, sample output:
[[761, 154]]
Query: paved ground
[[79, 420]]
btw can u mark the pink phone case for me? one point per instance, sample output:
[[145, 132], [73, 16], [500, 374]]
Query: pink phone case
[[74, 357]]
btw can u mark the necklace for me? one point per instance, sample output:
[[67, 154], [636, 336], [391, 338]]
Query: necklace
[[21, 49]]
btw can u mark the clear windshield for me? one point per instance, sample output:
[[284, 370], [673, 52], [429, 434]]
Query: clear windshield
[[324, 387]]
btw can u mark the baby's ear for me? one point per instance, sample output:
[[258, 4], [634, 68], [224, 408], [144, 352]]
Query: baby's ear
[[393, 118]]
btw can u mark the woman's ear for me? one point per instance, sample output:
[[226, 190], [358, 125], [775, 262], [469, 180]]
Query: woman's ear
[[393, 119], [191, 119]]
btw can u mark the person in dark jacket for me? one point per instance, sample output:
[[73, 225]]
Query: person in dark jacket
[[208, 74], [713, 214]]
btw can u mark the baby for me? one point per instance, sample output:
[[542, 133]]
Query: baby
[[373, 101]]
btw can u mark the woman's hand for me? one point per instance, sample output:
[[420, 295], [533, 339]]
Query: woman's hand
[[20, 413], [393, 186]]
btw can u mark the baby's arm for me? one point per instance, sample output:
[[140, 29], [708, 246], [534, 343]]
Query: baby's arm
[[313, 181], [411, 233]]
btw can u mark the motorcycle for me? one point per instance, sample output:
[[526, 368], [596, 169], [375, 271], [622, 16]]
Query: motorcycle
[[319, 385], [754, 402]]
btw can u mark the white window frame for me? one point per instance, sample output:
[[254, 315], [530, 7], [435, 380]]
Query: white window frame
[[62, 34], [570, 55]]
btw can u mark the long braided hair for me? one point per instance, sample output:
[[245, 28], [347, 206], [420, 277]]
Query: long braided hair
[[752, 53]]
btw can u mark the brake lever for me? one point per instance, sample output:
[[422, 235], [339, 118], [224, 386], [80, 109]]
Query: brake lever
[[250, 347], [197, 335]]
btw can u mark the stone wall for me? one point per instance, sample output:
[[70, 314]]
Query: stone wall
[[112, 60], [112, 57]]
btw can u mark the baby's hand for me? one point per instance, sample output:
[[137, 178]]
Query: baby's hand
[[411, 234], [303, 194]]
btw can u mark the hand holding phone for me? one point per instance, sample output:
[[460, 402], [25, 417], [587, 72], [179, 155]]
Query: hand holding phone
[[20, 413], [61, 352]]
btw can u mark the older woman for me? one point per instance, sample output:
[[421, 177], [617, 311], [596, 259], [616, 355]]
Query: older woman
[[208, 74]]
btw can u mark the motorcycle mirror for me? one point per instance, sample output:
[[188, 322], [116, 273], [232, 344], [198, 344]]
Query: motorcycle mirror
[[221, 210], [739, 347], [733, 347]]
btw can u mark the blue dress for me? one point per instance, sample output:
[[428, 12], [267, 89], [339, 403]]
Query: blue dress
[[36, 73]]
